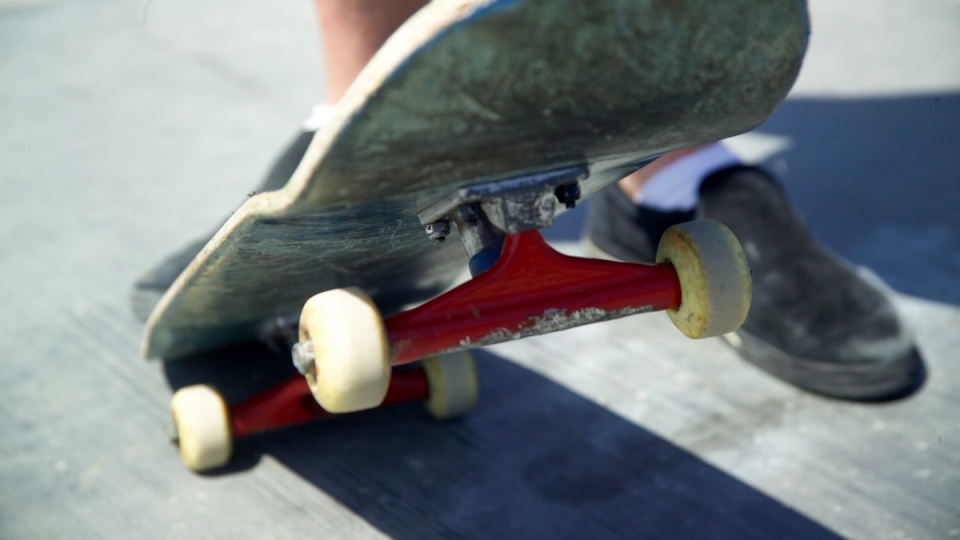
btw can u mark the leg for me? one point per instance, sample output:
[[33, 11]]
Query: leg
[[352, 31], [632, 185]]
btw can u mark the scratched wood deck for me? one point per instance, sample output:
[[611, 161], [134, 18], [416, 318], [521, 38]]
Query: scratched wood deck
[[617, 430], [470, 91]]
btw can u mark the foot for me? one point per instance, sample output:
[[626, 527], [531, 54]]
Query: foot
[[814, 321], [151, 286]]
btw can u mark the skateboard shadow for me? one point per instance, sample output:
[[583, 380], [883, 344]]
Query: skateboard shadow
[[876, 180], [535, 460]]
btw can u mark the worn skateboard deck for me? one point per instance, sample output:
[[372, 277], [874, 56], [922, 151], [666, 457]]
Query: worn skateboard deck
[[470, 91]]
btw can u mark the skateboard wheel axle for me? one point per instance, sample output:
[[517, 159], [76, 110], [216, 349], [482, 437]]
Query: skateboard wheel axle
[[438, 231], [304, 357]]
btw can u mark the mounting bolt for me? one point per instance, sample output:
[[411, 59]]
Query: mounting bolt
[[304, 357], [438, 231], [568, 195]]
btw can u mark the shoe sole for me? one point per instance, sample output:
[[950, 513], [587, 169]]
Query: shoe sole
[[869, 382]]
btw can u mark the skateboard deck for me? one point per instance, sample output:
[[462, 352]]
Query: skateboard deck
[[470, 91]]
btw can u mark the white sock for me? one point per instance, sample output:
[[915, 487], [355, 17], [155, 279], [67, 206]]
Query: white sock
[[319, 115], [675, 188]]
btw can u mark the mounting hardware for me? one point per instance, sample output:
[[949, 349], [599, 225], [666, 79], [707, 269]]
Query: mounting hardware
[[438, 231], [485, 213], [568, 195]]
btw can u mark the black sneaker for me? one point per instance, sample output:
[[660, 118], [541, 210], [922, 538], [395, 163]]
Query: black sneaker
[[814, 321], [149, 287]]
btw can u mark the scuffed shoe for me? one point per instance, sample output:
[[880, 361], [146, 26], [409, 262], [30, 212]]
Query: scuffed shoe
[[814, 321]]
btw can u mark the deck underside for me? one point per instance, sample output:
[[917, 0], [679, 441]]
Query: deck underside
[[470, 91]]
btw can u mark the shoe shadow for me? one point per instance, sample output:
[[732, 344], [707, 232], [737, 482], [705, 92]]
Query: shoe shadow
[[535, 460]]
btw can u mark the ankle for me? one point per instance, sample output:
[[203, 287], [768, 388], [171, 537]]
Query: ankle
[[671, 183]]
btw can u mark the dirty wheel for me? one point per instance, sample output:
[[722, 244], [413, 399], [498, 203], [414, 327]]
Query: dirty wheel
[[714, 278], [202, 423], [347, 341]]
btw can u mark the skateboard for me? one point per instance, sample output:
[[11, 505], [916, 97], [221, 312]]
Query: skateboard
[[475, 125]]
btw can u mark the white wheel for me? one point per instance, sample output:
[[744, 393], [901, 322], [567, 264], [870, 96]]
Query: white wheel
[[351, 352], [453, 385], [202, 422], [714, 278]]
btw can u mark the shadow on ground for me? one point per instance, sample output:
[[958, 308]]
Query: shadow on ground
[[535, 460]]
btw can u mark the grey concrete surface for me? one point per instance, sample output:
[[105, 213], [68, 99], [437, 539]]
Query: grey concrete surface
[[129, 128]]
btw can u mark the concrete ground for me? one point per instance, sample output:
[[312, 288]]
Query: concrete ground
[[129, 128]]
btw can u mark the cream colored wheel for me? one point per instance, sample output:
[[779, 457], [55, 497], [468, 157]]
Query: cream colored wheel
[[202, 423], [714, 278], [453, 385], [347, 341]]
